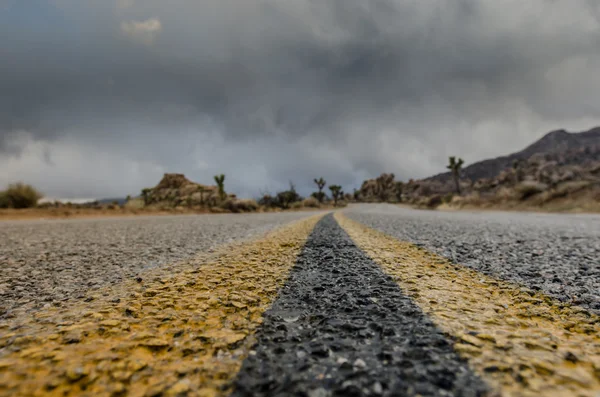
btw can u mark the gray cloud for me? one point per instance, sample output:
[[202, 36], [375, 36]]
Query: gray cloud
[[99, 98]]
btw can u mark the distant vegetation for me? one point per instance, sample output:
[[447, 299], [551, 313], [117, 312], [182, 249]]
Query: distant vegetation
[[19, 195], [455, 166], [336, 193], [175, 191], [220, 180], [290, 199], [319, 195], [560, 172]]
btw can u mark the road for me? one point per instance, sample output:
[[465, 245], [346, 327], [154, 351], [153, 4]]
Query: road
[[47, 262], [555, 253], [371, 300]]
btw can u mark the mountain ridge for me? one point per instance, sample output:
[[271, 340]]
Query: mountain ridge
[[553, 142]]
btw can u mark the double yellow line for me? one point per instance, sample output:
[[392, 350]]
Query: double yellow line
[[188, 333], [522, 343]]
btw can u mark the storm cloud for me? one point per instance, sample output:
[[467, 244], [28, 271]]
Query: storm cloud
[[99, 98]]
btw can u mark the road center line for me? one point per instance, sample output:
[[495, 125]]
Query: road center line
[[521, 342], [342, 327], [183, 334]]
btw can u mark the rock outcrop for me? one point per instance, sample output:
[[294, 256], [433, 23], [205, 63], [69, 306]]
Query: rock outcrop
[[176, 190], [559, 142], [557, 166]]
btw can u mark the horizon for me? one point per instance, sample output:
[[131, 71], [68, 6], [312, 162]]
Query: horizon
[[65, 200], [103, 98]]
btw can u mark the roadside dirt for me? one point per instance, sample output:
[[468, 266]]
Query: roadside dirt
[[83, 213]]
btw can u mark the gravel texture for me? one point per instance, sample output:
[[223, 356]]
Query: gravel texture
[[43, 263], [557, 254], [341, 327]]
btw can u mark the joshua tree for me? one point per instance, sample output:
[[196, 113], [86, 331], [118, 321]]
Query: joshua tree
[[220, 180], [399, 190], [320, 184], [455, 166], [336, 193], [384, 186], [201, 190], [518, 167]]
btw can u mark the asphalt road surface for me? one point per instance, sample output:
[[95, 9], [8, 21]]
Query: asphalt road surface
[[48, 262], [555, 253], [373, 300]]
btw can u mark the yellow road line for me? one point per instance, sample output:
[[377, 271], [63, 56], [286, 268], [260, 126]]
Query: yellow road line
[[183, 334], [522, 343]]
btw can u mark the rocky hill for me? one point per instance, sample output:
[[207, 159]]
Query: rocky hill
[[176, 190], [555, 142], [560, 167]]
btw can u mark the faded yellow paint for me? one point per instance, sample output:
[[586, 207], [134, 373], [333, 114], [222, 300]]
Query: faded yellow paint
[[186, 333], [521, 342]]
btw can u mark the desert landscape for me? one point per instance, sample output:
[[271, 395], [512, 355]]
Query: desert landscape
[[558, 173], [302, 198]]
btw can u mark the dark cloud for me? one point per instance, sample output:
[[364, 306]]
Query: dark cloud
[[99, 98]]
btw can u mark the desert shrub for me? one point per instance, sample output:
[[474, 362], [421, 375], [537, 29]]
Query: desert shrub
[[135, 203], [235, 205], [319, 196], [267, 201], [248, 205], [505, 194], [229, 205], [425, 190], [311, 202], [529, 188], [448, 198], [566, 188], [296, 205], [19, 195], [4, 201], [434, 201], [284, 199], [287, 197]]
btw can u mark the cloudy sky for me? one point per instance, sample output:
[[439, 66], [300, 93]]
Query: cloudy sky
[[99, 98]]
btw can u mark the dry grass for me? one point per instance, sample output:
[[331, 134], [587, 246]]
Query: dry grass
[[129, 210], [311, 202], [134, 204], [237, 205], [570, 197], [528, 189]]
